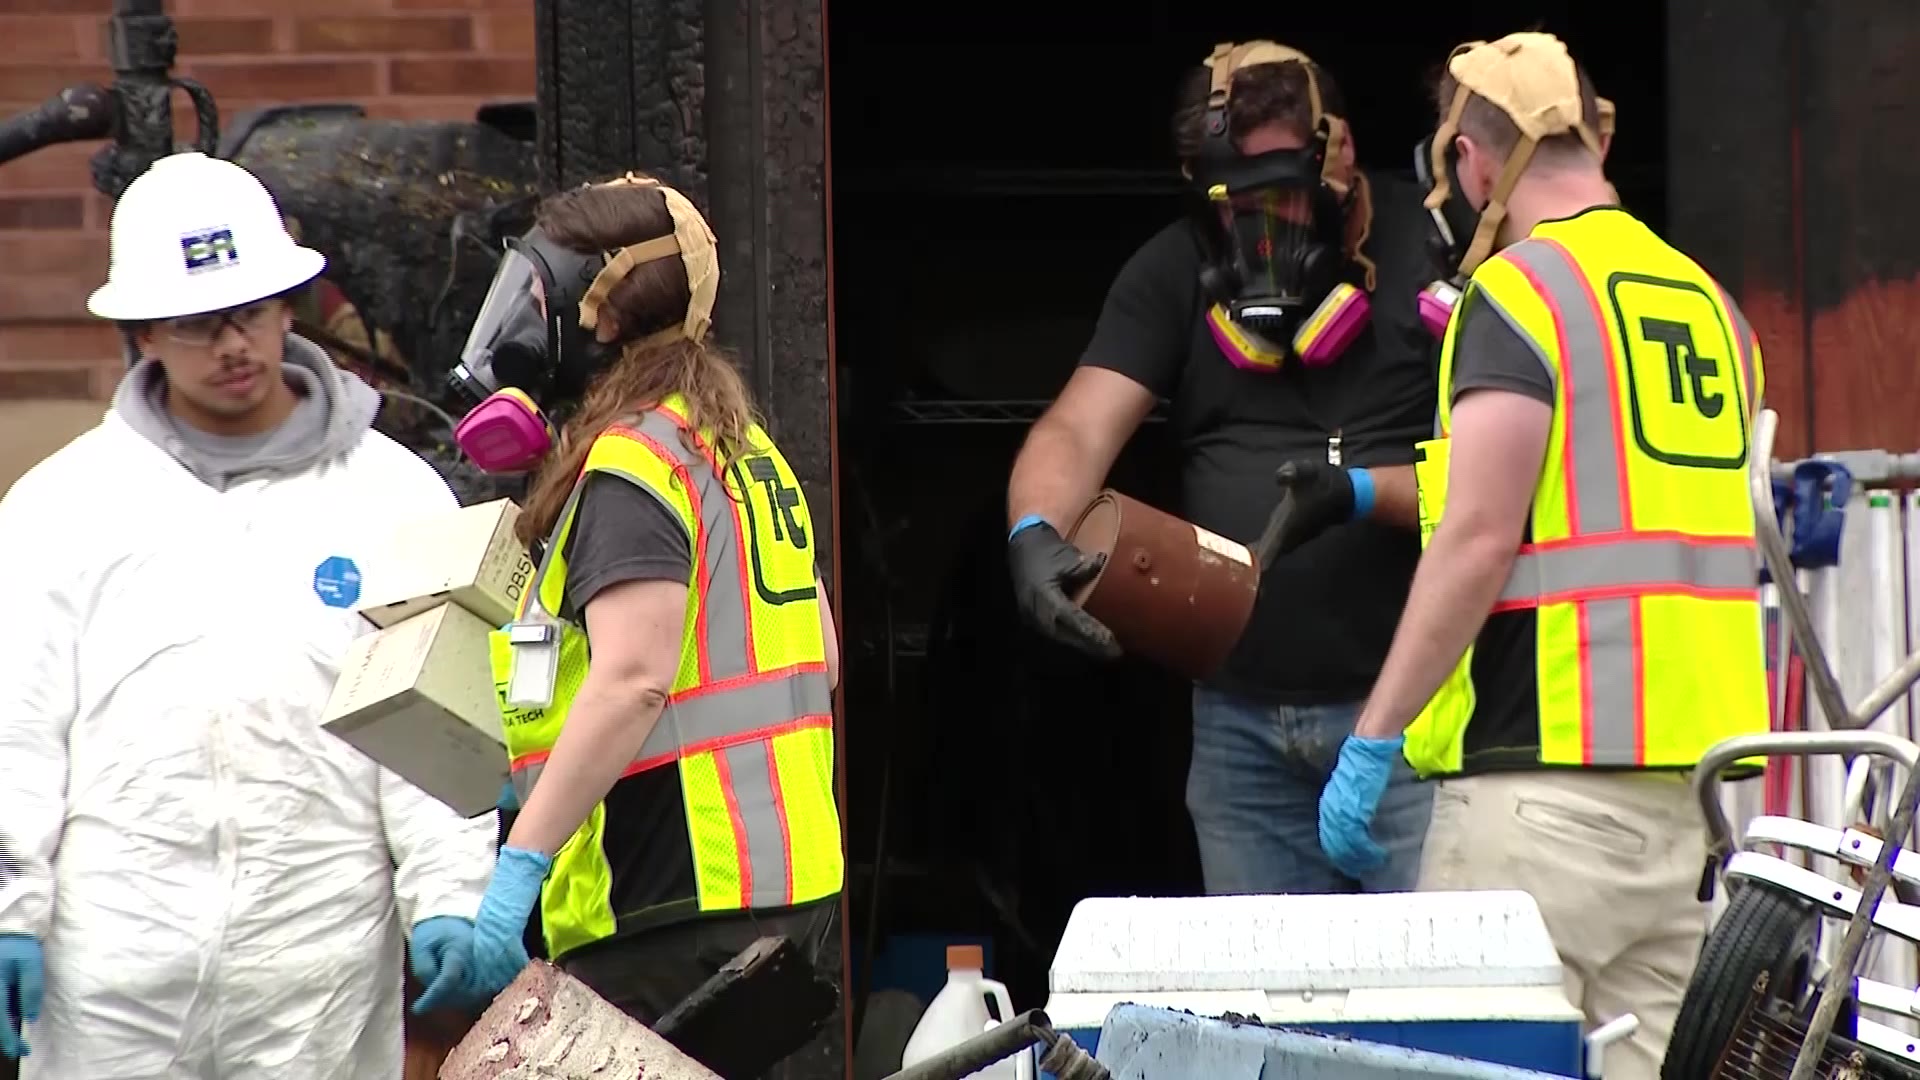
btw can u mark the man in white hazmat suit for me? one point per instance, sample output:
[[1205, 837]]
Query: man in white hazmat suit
[[196, 879]]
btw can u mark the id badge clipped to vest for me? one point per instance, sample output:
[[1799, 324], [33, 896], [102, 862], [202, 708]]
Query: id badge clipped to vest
[[534, 667], [1430, 481]]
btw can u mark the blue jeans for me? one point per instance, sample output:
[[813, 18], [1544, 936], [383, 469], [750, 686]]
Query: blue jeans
[[1254, 794]]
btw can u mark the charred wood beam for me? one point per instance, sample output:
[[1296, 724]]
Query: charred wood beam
[[620, 88], [1790, 175]]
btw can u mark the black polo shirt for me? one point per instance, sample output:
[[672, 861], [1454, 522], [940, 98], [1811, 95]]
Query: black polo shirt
[[1327, 611]]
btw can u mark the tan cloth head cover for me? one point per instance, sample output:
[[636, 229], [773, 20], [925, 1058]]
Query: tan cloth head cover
[[1228, 58], [1531, 78], [691, 239]]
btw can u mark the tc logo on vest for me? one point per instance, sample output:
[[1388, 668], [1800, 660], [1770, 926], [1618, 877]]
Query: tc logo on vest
[[779, 577], [336, 581], [1684, 380], [209, 249]]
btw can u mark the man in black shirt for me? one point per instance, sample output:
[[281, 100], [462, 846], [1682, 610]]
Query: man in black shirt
[[1268, 728]]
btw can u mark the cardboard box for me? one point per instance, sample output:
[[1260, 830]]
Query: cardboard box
[[468, 556], [418, 698]]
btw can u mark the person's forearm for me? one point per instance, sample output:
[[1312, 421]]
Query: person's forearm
[[1459, 577], [1396, 496], [1054, 476], [608, 723]]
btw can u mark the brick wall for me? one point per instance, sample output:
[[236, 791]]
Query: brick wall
[[404, 59]]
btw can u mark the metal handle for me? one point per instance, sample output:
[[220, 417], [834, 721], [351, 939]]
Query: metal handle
[[206, 116], [1722, 754], [1618, 1029]]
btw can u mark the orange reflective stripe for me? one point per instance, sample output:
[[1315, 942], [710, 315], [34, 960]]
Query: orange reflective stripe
[[1630, 564], [699, 723], [1613, 697]]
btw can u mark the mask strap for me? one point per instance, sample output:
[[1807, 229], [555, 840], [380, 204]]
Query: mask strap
[[692, 239], [1360, 225], [617, 267], [1495, 214]]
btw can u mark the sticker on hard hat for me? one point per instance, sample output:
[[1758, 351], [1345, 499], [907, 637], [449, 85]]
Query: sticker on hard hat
[[336, 581], [208, 249]]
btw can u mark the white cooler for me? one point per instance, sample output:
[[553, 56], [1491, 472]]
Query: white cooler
[[1472, 975]]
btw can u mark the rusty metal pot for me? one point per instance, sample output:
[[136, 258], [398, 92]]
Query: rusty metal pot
[[1170, 591]]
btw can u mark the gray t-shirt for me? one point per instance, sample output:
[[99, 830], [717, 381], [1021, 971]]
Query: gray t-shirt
[[1490, 353], [622, 533]]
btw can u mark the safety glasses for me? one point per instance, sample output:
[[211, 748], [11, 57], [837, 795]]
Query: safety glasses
[[201, 330]]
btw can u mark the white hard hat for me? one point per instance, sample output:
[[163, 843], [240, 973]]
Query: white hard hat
[[194, 234]]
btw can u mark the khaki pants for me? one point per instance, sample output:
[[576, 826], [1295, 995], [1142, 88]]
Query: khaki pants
[[1613, 860]]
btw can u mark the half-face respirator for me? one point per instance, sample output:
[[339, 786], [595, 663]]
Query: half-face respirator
[[1502, 72], [1286, 279], [533, 347]]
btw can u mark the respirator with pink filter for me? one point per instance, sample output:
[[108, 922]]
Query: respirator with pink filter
[[533, 347], [1283, 280]]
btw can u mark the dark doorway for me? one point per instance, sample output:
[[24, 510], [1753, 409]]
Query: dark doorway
[[993, 164]]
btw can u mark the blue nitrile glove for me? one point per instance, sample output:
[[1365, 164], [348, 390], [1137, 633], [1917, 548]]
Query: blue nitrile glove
[[509, 798], [499, 943], [442, 952], [23, 981], [1348, 803]]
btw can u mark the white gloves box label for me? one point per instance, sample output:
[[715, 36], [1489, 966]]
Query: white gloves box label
[[467, 556], [418, 698]]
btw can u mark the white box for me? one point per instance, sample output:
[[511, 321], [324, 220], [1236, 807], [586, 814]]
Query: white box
[[418, 698], [469, 556]]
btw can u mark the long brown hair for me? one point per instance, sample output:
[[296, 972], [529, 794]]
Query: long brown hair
[[651, 298]]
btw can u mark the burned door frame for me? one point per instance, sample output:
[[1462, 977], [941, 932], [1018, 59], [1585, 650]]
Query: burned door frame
[[727, 101], [1790, 174]]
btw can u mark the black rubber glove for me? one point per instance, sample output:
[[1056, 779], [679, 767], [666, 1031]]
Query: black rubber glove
[[1322, 497], [1045, 569]]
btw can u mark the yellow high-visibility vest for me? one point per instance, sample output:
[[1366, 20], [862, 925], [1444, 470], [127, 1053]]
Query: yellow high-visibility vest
[[1628, 634], [749, 721]]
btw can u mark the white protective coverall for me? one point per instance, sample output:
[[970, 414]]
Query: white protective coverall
[[222, 888]]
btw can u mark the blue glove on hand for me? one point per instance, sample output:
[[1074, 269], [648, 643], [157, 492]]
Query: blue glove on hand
[[499, 944], [442, 952], [23, 981], [509, 798], [1348, 803]]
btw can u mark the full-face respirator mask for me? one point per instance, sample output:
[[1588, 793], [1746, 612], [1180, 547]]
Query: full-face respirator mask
[[1462, 237], [533, 347], [1287, 280]]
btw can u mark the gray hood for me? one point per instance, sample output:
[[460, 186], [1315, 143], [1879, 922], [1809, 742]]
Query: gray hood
[[334, 412]]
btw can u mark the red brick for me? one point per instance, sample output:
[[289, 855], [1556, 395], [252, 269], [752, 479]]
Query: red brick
[[287, 80], [55, 7], [99, 209], [508, 33], [65, 382], [41, 212], [177, 8], [36, 83], [466, 76], [30, 297], [62, 168], [217, 36], [42, 37], [84, 342], [65, 252], [391, 34]]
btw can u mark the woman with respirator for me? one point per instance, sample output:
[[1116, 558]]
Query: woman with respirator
[[676, 795]]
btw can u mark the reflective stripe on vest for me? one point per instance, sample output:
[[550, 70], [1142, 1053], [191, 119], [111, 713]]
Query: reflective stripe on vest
[[748, 721], [1593, 575]]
